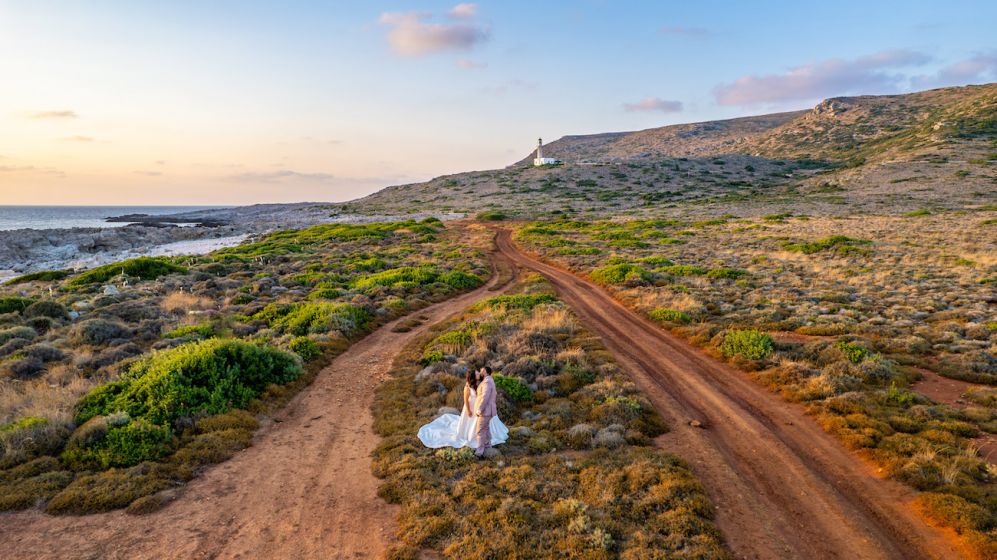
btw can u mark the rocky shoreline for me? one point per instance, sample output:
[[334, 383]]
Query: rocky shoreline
[[30, 250]]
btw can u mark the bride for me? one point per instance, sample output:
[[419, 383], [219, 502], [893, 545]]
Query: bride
[[450, 430]]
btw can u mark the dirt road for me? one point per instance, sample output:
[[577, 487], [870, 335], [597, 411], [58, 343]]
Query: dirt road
[[782, 486], [303, 490]]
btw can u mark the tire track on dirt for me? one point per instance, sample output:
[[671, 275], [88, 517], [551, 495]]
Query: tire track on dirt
[[303, 490], [782, 486]]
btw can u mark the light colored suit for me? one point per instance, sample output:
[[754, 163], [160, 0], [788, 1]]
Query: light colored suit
[[484, 409]]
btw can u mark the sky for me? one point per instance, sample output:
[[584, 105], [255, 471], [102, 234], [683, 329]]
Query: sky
[[238, 102]]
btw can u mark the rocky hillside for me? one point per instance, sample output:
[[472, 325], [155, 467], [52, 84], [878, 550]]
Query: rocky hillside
[[934, 150], [840, 128]]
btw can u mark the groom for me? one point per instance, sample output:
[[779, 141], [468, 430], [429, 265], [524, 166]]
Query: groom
[[484, 409]]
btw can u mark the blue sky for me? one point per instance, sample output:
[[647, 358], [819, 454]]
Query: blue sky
[[234, 101]]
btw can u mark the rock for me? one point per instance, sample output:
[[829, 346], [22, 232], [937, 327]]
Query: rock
[[74, 315], [426, 372], [111, 290], [522, 431], [492, 453], [695, 423]]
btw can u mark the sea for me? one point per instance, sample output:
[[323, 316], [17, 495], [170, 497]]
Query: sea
[[50, 217]]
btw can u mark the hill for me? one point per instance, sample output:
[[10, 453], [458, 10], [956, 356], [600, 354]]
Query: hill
[[886, 154]]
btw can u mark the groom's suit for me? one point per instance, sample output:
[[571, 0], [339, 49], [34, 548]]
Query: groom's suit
[[484, 410]]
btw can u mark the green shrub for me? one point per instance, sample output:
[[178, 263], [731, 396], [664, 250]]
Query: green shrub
[[395, 277], [516, 301], [431, 357], [749, 343], [916, 213], [458, 280], [663, 314], [145, 268], [25, 333], [319, 317], [47, 308], [954, 511], [725, 273], [120, 446], [839, 244], [109, 490], [513, 387], [305, 347], [453, 342], [683, 270], [210, 376], [492, 216], [620, 273], [854, 352], [13, 304], [42, 276], [199, 331], [99, 331], [23, 423]]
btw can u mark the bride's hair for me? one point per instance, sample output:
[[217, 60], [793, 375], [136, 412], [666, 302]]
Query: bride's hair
[[472, 378]]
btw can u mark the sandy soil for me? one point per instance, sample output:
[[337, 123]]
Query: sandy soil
[[303, 490], [783, 487]]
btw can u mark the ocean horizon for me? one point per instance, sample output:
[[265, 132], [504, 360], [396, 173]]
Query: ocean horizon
[[64, 216]]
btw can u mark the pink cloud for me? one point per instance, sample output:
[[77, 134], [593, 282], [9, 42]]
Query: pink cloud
[[980, 68], [463, 11], [876, 72], [412, 34], [654, 104]]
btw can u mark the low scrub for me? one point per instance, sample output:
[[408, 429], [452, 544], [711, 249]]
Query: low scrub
[[615, 495], [621, 273], [666, 315], [143, 268], [206, 377], [839, 244], [747, 343]]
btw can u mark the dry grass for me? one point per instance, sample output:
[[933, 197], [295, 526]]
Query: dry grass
[[184, 302], [912, 297], [609, 495]]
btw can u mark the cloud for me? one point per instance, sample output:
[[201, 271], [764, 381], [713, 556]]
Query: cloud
[[654, 104], [681, 30], [980, 68], [465, 64], [38, 115], [280, 176], [463, 11], [876, 72], [77, 138], [413, 34], [149, 173], [31, 169]]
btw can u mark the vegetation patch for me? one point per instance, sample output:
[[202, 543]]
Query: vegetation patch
[[614, 495], [142, 268], [839, 244], [620, 273], [746, 343], [41, 276]]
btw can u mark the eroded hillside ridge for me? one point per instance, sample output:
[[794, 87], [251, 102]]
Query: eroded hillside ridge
[[890, 154], [878, 126]]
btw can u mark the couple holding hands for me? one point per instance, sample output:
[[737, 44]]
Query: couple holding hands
[[478, 425]]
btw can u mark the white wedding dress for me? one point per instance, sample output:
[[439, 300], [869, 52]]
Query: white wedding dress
[[450, 430]]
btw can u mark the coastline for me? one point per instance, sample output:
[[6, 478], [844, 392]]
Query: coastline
[[24, 251]]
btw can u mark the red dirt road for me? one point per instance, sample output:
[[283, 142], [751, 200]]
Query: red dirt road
[[303, 490], [783, 487]]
